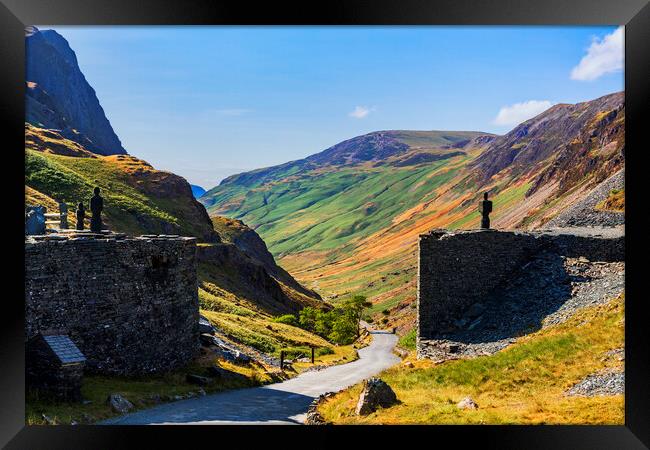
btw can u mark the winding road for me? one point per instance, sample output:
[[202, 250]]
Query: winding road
[[279, 403]]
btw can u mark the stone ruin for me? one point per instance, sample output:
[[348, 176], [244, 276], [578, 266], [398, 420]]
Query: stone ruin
[[479, 289], [130, 305]]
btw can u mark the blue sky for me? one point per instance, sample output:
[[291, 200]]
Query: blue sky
[[208, 102]]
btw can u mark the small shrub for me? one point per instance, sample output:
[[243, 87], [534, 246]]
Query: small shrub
[[408, 340], [322, 351], [287, 319]]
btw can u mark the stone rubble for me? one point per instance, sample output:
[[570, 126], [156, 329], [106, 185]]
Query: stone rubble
[[467, 403], [583, 213], [554, 292], [313, 416], [606, 382]]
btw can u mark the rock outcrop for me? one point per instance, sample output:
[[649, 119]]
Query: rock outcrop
[[376, 393], [59, 97], [234, 270], [248, 241], [467, 403], [119, 404], [572, 134]]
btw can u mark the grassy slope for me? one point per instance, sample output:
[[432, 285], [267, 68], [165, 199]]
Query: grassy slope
[[523, 384], [73, 179]]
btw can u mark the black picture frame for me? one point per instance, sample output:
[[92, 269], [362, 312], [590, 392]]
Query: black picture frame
[[634, 14]]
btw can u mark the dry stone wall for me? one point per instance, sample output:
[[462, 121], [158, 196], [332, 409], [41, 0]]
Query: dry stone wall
[[458, 269], [130, 305]]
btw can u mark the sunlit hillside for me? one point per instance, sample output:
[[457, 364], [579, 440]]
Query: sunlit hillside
[[347, 220]]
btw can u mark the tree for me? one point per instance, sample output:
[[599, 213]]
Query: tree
[[356, 305], [307, 318], [324, 321], [340, 325], [344, 326]]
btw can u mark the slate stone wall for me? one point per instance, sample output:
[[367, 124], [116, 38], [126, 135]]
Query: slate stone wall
[[457, 269], [130, 305]]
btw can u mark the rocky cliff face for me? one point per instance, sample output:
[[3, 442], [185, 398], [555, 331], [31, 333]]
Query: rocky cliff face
[[569, 133], [248, 241], [248, 279], [59, 97]]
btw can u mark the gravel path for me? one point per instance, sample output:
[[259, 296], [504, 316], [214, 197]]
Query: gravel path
[[583, 212], [280, 403]]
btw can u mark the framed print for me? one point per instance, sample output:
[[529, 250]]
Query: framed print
[[413, 215]]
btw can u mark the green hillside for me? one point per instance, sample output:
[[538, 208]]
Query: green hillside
[[138, 198], [329, 206], [346, 220]]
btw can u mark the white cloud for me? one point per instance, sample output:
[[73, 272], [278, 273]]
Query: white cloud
[[603, 56], [519, 112], [359, 112]]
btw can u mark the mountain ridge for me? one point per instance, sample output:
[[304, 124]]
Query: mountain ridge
[[346, 220], [59, 96]]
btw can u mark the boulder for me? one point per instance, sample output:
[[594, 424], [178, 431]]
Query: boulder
[[234, 356], [467, 403], [119, 404], [376, 393], [35, 220]]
